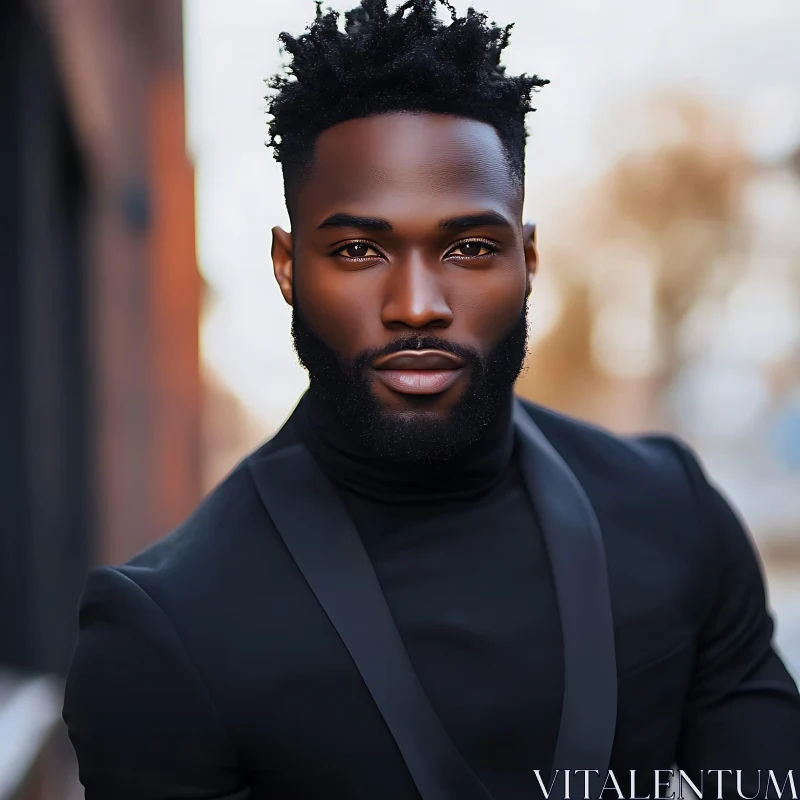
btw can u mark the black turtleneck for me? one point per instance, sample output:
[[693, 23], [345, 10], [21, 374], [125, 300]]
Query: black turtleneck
[[462, 564]]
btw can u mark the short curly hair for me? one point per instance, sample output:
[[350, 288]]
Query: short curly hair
[[383, 62]]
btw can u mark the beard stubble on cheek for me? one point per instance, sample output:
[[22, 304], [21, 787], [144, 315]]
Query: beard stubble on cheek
[[415, 434]]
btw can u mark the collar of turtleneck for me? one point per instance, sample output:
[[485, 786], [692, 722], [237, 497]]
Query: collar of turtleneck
[[348, 463]]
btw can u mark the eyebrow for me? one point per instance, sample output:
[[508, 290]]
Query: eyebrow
[[488, 219], [352, 221]]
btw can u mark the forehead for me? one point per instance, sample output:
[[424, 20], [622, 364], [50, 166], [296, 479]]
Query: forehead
[[393, 165]]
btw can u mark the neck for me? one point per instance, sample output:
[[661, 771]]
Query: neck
[[351, 465]]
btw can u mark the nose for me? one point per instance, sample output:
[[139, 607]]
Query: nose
[[415, 297]]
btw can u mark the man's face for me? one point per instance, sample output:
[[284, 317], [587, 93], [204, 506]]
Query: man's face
[[408, 268]]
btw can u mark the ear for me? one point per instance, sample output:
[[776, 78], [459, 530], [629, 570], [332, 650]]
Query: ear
[[282, 261], [531, 252]]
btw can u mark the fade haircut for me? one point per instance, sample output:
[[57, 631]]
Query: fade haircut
[[402, 61]]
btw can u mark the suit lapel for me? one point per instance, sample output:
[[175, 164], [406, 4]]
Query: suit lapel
[[577, 557], [321, 537], [317, 529]]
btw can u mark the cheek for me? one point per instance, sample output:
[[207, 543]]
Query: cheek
[[487, 305], [339, 310]]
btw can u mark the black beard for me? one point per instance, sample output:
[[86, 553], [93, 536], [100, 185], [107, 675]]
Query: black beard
[[417, 435]]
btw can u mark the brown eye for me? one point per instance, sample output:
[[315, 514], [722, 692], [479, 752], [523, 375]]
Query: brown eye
[[471, 249], [358, 250]]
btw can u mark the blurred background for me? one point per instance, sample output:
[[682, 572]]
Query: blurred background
[[144, 347]]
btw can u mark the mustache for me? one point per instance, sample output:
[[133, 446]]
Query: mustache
[[415, 341]]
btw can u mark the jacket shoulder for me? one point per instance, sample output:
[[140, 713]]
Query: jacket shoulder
[[229, 511], [597, 454], [654, 501]]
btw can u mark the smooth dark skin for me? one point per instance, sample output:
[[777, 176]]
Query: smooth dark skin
[[362, 284]]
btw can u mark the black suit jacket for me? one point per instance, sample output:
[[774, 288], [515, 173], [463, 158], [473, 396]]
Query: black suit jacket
[[250, 654]]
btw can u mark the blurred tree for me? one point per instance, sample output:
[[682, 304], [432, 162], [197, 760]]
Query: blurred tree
[[669, 213], [681, 199]]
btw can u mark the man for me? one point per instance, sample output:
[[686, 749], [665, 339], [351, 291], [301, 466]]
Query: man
[[423, 587]]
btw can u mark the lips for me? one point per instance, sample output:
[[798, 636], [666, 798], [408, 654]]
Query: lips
[[419, 372]]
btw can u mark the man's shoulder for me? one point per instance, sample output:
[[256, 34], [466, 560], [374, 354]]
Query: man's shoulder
[[597, 454], [654, 505], [224, 560], [211, 548], [228, 512], [648, 490]]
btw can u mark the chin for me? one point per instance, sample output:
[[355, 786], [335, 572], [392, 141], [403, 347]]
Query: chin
[[413, 406]]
